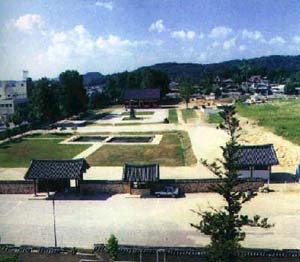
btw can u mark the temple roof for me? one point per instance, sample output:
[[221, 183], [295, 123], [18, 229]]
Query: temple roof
[[57, 169], [146, 93], [257, 155]]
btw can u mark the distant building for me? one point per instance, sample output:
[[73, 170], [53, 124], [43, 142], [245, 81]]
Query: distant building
[[12, 94], [174, 86], [255, 79], [211, 96], [277, 89], [94, 89], [142, 98], [259, 84]]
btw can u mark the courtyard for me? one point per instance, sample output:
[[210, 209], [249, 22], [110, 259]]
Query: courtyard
[[82, 223]]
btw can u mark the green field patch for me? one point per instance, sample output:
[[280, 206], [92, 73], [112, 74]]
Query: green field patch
[[174, 150], [49, 135], [173, 117], [19, 153], [214, 118], [281, 117], [188, 114]]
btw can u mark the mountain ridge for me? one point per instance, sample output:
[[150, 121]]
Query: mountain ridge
[[175, 70]]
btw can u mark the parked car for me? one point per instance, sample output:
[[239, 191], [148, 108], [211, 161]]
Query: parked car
[[168, 191]]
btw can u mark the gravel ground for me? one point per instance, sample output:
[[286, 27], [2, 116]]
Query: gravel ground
[[148, 221]]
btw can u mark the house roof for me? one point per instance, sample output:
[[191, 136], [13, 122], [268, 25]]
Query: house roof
[[141, 173], [257, 155], [57, 169], [147, 93]]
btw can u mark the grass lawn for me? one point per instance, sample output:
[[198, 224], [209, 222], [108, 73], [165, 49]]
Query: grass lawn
[[188, 114], [19, 153], [214, 118], [141, 113], [49, 135], [174, 150], [280, 117], [173, 118]]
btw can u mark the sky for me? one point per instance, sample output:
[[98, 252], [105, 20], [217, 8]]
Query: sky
[[47, 37]]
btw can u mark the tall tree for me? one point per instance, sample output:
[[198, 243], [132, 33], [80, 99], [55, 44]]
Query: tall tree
[[244, 69], [186, 90], [225, 226], [74, 94], [44, 102], [289, 89]]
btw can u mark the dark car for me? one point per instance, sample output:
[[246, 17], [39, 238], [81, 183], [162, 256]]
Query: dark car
[[168, 191]]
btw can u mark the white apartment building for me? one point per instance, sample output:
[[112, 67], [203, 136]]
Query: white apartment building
[[12, 94]]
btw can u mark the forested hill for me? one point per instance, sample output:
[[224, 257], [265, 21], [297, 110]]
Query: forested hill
[[274, 67], [261, 65]]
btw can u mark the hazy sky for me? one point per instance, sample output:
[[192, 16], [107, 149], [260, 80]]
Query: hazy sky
[[50, 36]]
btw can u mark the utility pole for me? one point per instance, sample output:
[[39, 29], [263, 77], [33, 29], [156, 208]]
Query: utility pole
[[54, 222]]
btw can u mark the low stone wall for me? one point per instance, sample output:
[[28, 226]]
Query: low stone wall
[[140, 191], [104, 186], [205, 185], [16, 187], [184, 185], [197, 254]]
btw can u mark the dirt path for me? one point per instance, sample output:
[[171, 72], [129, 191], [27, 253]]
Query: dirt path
[[288, 153]]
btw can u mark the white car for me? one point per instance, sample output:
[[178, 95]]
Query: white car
[[168, 191]]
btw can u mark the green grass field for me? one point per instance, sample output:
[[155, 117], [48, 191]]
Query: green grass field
[[19, 153], [173, 118], [280, 117], [174, 150], [214, 118], [188, 114], [49, 135]]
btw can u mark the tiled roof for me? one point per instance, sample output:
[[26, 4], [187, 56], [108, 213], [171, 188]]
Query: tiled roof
[[257, 155], [141, 173], [57, 169], [147, 93]]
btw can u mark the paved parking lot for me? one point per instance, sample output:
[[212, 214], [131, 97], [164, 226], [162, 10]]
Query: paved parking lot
[[140, 221]]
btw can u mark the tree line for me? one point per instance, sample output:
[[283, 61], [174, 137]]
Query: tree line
[[50, 100]]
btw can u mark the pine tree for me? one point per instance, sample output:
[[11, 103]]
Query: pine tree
[[225, 226], [111, 247]]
